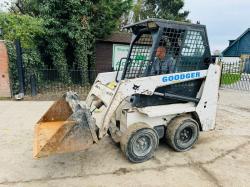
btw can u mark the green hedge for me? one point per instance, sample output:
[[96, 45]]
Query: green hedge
[[12, 66], [27, 29], [32, 65]]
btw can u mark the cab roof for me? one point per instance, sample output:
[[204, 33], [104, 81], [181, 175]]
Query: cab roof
[[165, 24]]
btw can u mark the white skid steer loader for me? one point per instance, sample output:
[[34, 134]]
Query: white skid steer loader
[[146, 99]]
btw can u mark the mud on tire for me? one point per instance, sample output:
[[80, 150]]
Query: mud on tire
[[182, 133], [139, 145]]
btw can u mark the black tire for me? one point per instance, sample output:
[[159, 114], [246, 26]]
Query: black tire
[[116, 143], [140, 145], [109, 133], [182, 133]]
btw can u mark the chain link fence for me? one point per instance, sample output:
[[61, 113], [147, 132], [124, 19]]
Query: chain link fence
[[48, 84], [235, 75]]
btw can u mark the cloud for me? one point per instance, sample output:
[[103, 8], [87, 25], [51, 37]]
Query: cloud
[[225, 19], [4, 4]]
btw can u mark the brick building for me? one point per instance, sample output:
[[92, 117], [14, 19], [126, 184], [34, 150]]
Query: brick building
[[4, 72]]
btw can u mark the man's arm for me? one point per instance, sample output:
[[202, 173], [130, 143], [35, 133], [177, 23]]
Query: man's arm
[[172, 65], [155, 67]]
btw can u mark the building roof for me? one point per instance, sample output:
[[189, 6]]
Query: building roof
[[118, 37], [234, 48]]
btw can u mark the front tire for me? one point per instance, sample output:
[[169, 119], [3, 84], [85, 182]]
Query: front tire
[[182, 133], [140, 145]]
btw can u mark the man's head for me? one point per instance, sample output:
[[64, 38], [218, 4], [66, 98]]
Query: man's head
[[161, 52]]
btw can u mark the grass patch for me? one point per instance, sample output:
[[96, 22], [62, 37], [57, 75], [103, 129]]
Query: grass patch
[[230, 78]]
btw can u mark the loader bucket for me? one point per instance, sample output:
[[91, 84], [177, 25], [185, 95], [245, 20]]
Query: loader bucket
[[65, 127]]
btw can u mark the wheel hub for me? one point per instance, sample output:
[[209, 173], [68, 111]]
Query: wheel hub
[[186, 134], [142, 145]]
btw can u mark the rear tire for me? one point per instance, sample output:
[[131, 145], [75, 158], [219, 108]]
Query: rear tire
[[140, 145], [182, 133]]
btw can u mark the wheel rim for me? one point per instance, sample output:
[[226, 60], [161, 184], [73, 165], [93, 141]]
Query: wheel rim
[[142, 145], [186, 135]]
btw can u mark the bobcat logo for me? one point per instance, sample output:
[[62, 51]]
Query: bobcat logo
[[135, 87]]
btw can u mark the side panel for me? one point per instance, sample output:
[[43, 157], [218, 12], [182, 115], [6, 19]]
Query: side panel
[[100, 91], [98, 87], [129, 118], [207, 106], [146, 86], [107, 77], [154, 116], [172, 109], [206, 109]]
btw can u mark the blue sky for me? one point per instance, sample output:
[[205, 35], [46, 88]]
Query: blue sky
[[225, 19]]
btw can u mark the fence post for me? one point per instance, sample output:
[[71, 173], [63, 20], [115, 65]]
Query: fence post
[[33, 85], [221, 73], [20, 68]]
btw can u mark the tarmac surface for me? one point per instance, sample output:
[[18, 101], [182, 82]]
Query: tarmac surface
[[220, 158]]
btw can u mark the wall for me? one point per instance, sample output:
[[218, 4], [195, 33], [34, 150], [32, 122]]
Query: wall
[[104, 52], [4, 72]]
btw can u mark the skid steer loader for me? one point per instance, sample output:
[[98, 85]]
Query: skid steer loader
[[138, 104]]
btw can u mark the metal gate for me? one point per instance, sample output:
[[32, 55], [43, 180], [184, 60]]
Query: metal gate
[[235, 76]]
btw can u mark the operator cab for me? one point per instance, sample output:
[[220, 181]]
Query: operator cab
[[187, 49]]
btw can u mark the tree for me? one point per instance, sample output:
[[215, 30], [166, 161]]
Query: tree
[[164, 9], [23, 27], [137, 10], [27, 29], [71, 27], [106, 14]]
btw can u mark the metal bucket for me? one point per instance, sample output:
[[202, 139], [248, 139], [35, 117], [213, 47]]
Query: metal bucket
[[65, 127]]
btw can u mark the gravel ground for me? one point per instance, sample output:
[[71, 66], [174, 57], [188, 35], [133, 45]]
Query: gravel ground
[[220, 158]]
